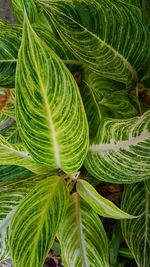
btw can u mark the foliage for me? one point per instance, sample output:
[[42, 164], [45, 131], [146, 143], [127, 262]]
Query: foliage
[[74, 104]]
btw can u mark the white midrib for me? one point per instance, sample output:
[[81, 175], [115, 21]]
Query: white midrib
[[118, 212], [85, 262], [50, 123], [125, 62], [19, 153], [51, 128], [112, 146], [8, 60]]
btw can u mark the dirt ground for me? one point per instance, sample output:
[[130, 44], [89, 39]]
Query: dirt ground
[[6, 10]]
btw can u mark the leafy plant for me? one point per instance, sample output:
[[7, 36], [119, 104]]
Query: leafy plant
[[57, 130]]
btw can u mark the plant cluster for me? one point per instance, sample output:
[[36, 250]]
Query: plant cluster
[[74, 113]]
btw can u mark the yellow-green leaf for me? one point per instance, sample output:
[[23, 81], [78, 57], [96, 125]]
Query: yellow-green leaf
[[36, 221], [82, 236], [99, 204], [50, 113]]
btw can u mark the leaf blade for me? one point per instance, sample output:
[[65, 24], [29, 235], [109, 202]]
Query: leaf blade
[[136, 199], [16, 154], [59, 113], [81, 233], [11, 195], [41, 211], [99, 204], [108, 51], [122, 150]]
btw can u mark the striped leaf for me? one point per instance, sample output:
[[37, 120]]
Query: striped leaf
[[30, 7], [133, 2], [10, 40], [136, 200], [9, 45], [99, 204], [111, 98], [120, 152], [36, 221], [108, 36], [16, 154], [10, 197], [82, 236], [145, 5], [50, 113], [12, 173]]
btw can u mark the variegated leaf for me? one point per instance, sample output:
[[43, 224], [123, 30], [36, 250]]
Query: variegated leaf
[[16, 154], [136, 200], [36, 221], [145, 4], [82, 237], [50, 114], [9, 45], [30, 7], [10, 40], [111, 98], [12, 173], [109, 37], [11, 196], [120, 151], [99, 204]]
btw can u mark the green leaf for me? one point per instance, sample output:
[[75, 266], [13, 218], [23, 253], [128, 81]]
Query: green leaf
[[120, 152], [82, 237], [16, 154], [145, 4], [132, 2], [36, 221], [136, 200], [108, 36], [9, 45], [111, 99], [50, 114], [10, 40], [99, 204], [11, 196], [21, 5], [13, 173]]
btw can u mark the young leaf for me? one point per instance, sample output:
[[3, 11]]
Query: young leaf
[[136, 200], [11, 196], [99, 204], [121, 150], [108, 36], [82, 237], [36, 221], [50, 114], [105, 98]]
